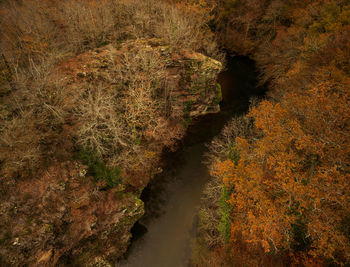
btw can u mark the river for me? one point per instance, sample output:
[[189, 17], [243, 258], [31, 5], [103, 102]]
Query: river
[[163, 236]]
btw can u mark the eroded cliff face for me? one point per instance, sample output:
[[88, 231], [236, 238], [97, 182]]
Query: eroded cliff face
[[63, 214]]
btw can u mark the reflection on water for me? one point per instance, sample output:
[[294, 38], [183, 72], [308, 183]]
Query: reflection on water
[[172, 199], [167, 241]]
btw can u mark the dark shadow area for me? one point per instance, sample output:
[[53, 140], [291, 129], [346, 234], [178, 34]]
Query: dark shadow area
[[239, 83]]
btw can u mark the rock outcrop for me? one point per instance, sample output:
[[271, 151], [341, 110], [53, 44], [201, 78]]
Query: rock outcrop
[[63, 215]]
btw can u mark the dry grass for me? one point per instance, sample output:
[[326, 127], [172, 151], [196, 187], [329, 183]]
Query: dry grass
[[20, 144]]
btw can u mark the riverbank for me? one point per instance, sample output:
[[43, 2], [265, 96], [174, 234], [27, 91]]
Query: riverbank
[[172, 198]]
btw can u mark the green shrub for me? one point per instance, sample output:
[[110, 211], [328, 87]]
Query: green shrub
[[225, 213], [97, 168], [233, 154]]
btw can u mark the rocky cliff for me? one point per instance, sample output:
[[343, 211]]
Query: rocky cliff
[[122, 105]]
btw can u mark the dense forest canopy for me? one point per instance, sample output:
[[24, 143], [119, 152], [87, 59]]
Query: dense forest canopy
[[285, 170], [280, 193]]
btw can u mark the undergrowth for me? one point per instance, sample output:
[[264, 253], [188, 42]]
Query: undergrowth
[[98, 169]]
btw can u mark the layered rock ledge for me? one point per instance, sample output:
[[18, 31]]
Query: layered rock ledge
[[64, 214]]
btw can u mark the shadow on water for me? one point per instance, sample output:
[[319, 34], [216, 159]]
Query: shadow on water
[[162, 237]]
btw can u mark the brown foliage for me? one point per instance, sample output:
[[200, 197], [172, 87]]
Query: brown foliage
[[112, 101], [290, 186], [36, 35]]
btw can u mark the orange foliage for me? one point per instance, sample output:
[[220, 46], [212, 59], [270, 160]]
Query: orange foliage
[[291, 186]]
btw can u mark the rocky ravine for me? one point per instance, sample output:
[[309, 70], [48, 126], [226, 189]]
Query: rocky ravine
[[61, 215]]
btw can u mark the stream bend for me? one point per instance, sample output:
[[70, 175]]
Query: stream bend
[[163, 236]]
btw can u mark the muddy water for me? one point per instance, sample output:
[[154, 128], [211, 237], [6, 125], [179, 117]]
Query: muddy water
[[162, 237]]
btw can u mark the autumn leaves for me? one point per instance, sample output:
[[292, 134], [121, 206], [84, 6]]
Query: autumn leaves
[[290, 185]]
